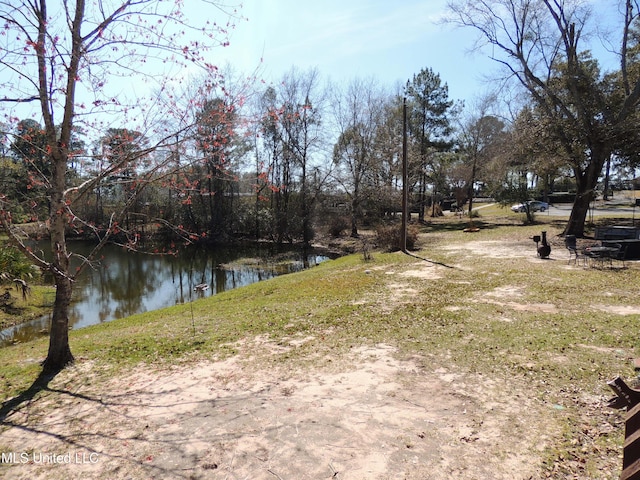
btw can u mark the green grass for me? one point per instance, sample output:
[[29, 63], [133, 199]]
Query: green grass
[[209, 325]]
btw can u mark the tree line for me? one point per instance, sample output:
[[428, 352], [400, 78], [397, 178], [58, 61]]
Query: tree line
[[298, 156], [267, 168], [214, 157]]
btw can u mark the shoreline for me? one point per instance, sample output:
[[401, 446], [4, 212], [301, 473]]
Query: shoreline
[[37, 304], [40, 301]]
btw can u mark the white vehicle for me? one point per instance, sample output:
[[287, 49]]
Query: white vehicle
[[534, 206]]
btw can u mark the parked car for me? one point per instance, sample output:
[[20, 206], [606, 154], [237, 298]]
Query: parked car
[[534, 206]]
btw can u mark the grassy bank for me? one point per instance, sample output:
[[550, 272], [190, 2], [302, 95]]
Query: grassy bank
[[15, 307], [477, 303], [37, 303]]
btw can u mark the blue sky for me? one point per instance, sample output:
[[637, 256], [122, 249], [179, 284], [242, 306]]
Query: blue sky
[[390, 40], [344, 39]]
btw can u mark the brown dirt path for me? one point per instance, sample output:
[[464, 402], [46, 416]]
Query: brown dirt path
[[368, 416]]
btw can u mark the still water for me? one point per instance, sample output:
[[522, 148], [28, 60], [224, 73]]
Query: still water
[[123, 283]]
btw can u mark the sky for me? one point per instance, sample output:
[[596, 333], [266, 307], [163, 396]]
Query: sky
[[389, 40], [344, 39]]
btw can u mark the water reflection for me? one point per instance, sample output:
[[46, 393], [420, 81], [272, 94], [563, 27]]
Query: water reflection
[[124, 283]]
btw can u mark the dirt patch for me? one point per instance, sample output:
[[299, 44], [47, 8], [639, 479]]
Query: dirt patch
[[400, 288], [524, 307], [514, 291], [423, 270], [369, 416], [507, 291], [495, 249], [618, 309]]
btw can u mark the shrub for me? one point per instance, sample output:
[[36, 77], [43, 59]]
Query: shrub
[[13, 264], [388, 237], [338, 225]]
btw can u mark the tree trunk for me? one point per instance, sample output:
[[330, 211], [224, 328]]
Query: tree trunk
[[471, 183], [575, 225], [306, 225], [586, 182], [355, 207], [59, 355], [605, 195], [422, 197]]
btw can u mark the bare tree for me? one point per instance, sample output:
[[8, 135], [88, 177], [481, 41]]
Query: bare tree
[[301, 121], [71, 59], [388, 153], [292, 130], [480, 136], [358, 112], [586, 113]]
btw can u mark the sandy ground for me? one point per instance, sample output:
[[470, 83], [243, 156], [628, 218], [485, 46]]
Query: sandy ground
[[368, 415]]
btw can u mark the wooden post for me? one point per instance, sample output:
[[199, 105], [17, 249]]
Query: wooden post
[[405, 180], [628, 398]]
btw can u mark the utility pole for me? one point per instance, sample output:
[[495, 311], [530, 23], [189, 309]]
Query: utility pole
[[405, 181]]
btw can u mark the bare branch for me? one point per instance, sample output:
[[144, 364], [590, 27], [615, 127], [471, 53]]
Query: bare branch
[[19, 100]]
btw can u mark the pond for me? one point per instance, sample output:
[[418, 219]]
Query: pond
[[124, 283]]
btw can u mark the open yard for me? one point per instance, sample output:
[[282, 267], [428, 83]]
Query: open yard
[[473, 359]]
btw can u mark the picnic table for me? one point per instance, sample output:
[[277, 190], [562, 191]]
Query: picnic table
[[601, 254]]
